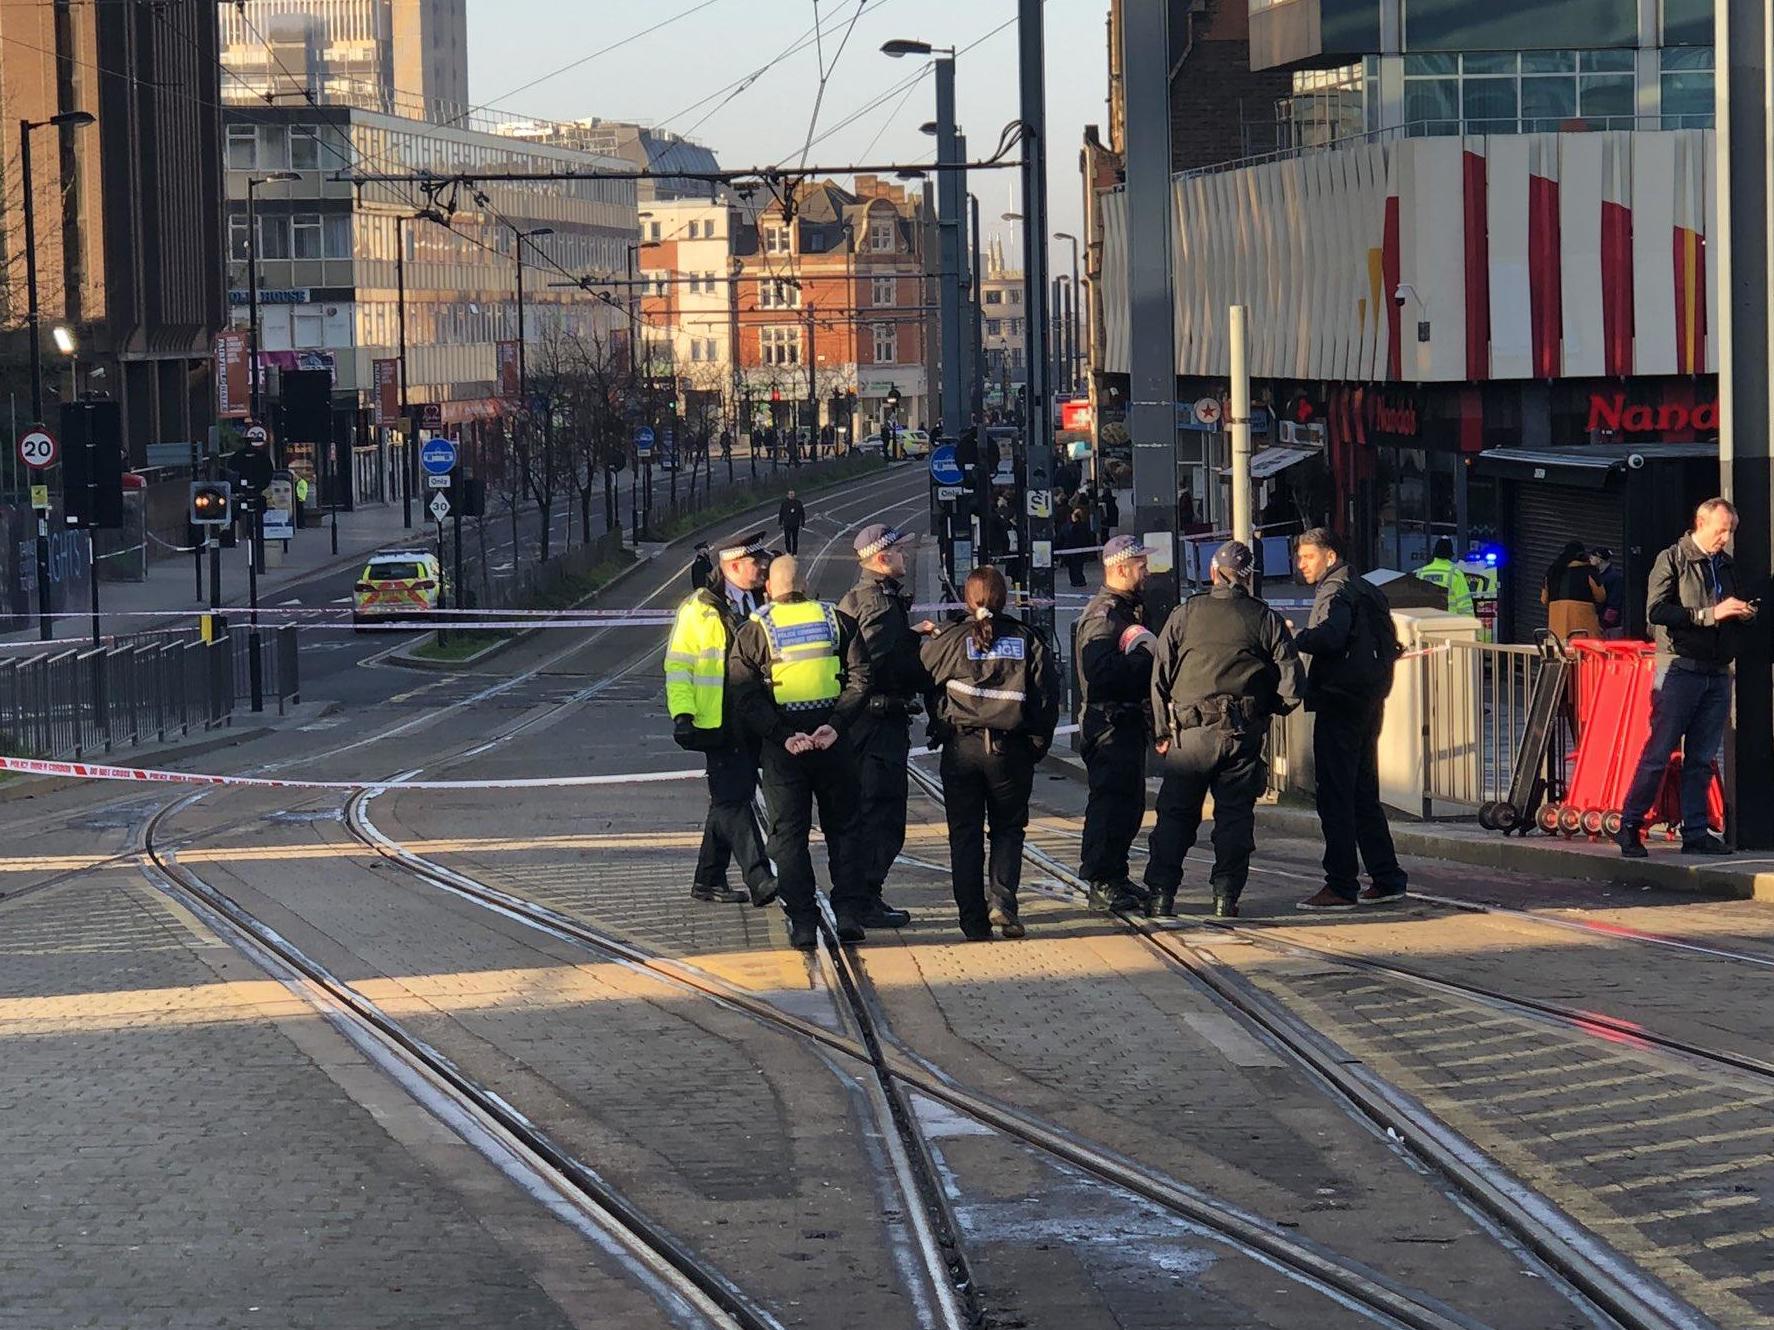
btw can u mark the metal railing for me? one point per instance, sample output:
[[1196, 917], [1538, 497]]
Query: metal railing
[[1476, 697], [73, 702]]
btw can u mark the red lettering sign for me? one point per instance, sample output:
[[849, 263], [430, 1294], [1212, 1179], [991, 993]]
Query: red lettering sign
[[1614, 413]]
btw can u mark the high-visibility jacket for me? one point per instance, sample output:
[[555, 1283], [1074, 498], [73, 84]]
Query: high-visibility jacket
[[805, 665], [696, 662], [1443, 573]]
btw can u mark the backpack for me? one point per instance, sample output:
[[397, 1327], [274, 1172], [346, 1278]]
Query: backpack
[[1368, 665]]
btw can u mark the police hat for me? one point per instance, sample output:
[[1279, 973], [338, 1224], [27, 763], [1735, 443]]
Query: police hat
[[1123, 548], [871, 540], [1235, 560], [739, 546]]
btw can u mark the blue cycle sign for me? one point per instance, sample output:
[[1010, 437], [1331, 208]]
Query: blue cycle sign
[[643, 441], [438, 457], [945, 469]]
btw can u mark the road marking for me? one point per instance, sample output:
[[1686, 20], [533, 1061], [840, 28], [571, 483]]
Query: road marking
[[1687, 1143], [296, 601]]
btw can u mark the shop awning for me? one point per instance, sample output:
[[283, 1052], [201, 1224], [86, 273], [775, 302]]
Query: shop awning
[[1585, 466], [1272, 461]]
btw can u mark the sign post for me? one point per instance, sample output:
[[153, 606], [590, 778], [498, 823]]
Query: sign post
[[643, 459], [37, 450]]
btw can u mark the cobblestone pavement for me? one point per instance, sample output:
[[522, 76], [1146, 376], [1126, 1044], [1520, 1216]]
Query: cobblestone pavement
[[184, 1144]]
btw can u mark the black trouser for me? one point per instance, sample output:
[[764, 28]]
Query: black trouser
[[1228, 763], [1115, 757], [881, 749], [791, 787], [1346, 762], [731, 830], [986, 780], [791, 540]]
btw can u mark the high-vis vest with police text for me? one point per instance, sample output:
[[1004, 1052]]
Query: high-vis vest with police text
[[804, 664], [1442, 573], [696, 663]]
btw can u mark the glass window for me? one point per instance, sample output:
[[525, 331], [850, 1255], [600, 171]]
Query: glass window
[[237, 237], [653, 231], [274, 148], [1016, 296], [994, 327], [1549, 62], [1605, 95], [1432, 106], [309, 329], [1430, 63], [776, 240], [274, 237], [884, 292], [243, 141], [1547, 101], [304, 148], [1489, 105], [881, 235], [1686, 57], [1488, 62], [305, 236], [1613, 62], [1688, 100], [886, 344], [994, 297]]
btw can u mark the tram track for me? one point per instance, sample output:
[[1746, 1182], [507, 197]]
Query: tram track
[[1607, 1280]]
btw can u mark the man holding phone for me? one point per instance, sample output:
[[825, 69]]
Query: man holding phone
[[1697, 617]]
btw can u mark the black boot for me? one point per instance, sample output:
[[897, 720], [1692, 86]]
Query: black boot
[[1224, 906], [1126, 898], [1008, 922], [1163, 904], [880, 914], [762, 896], [803, 935], [850, 928], [1098, 897], [721, 894]]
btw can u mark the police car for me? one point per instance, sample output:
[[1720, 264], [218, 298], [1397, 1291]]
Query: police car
[[395, 585]]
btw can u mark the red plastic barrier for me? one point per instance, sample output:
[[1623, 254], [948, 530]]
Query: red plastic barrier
[[1614, 681]]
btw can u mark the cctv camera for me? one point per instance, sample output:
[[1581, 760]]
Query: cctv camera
[[1398, 297], [1636, 461]]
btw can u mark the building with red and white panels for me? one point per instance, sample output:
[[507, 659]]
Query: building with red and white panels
[[830, 308], [1471, 320]]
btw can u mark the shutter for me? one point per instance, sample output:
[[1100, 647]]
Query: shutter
[[1546, 518]]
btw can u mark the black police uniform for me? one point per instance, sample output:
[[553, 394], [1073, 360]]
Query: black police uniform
[[731, 829], [1115, 726], [792, 784], [1354, 650], [1225, 664], [882, 735], [702, 570], [994, 712]]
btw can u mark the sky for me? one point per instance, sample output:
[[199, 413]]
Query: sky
[[659, 77]]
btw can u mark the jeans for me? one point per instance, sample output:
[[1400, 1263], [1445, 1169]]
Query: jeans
[[1688, 711]]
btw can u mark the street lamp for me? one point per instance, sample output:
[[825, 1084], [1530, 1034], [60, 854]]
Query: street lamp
[[252, 282], [535, 233], [33, 317], [411, 451], [950, 191], [1075, 360]]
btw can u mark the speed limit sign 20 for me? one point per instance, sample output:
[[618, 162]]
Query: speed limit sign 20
[[37, 449]]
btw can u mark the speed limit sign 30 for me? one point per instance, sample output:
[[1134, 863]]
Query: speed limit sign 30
[[37, 449]]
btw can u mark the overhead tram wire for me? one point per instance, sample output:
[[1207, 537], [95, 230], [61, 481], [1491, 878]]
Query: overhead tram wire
[[826, 71]]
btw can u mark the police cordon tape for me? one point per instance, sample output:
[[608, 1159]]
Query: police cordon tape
[[31, 766]]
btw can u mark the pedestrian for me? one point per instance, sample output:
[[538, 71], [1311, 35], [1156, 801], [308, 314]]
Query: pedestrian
[[1076, 536], [1114, 654], [1572, 594], [791, 517], [1442, 571], [800, 681], [1111, 511], [995, 701], [1613, 581], [1698, 619], [1224, 665], [881, 606], [1354, 649], [702, 568], [700, 703]]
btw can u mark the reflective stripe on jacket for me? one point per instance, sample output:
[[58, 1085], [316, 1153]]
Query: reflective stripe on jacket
[[696, 662], [1443, 573], [805, 667]]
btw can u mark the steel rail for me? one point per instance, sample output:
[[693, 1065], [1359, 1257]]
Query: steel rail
[[1633, 1299]]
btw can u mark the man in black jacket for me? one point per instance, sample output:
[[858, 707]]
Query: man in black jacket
[[791, 517], [881, 607], [1697, 617], [799, 679], [1114, 653], [1354, 649], [1225, 664]]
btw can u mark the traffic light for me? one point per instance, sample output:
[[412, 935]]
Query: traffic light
[[92, 464], [211, 501]]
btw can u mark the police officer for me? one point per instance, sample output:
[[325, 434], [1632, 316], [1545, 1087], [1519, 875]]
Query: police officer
[[995, 701], [1442, 571], [1114, 651], [1224, 665], [882, 736], [703, 719], [800, 679]]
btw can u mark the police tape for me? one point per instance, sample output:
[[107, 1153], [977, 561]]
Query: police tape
[[31, 766]]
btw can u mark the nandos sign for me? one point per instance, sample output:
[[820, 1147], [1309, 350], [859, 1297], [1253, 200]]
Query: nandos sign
[[1611, 412]]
